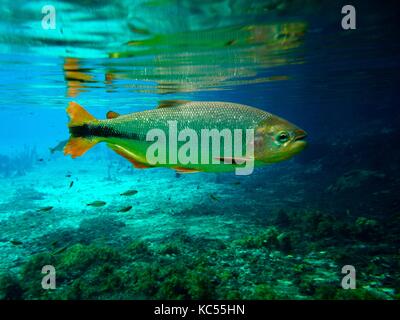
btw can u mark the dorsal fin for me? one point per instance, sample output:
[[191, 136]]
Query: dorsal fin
[[112, 115], [171, 103]]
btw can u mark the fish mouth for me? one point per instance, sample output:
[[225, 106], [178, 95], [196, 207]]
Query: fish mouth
[[301, 135], [300, 138], [299, 141]]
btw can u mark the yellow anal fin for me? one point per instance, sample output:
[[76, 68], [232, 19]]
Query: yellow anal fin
[[77, 146], [185, 170], [131, 157]]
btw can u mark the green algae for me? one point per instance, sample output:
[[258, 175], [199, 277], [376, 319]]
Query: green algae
[[293, 258], [10, 288]]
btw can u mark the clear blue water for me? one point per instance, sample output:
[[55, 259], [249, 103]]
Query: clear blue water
[[283, 232]]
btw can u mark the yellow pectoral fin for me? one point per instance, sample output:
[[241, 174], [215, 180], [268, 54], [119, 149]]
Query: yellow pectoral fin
[[130, 156]]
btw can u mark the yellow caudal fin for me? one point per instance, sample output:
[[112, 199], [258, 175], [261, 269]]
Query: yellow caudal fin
[[78, 115], [77, 146]]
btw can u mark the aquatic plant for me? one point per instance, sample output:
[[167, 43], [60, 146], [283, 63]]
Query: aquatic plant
[[264, 292], [367, 229], [265, 239], [31, 277], [18, 164], [10, 288], [202, 282], [139, 248], [303, 263], [170, 248]]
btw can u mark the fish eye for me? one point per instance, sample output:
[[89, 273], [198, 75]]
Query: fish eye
[[283, 136]]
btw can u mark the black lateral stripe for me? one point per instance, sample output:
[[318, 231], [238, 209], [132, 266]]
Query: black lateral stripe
[[97, 131], [80, 131]]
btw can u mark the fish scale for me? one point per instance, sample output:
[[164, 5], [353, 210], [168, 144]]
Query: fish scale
[[193, 115]]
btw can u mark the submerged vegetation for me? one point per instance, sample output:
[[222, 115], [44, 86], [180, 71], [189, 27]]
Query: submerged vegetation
[[18, 164], [295, 257]]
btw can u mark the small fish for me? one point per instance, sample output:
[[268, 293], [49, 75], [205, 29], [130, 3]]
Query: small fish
[[68, 175], [236, 183], [212, 196], [129, 193], [139, 30], [125, 209], [230, 42], [44, 209], [41, 160], [16, 242], [59, 250], [71, 184], [59, 147], [97, 203]]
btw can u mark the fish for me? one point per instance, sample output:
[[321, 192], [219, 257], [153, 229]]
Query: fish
[[60, 250], [125, 209], [129, 193], [59, 147], [71, 184], [275, 139], [16, 242], [44, 209], [230, 42], [214, 197], [97, 203]]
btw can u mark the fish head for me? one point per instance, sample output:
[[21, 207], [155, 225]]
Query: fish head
[[277, 139]]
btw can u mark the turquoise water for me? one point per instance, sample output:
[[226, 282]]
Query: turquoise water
[[283, 232]]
